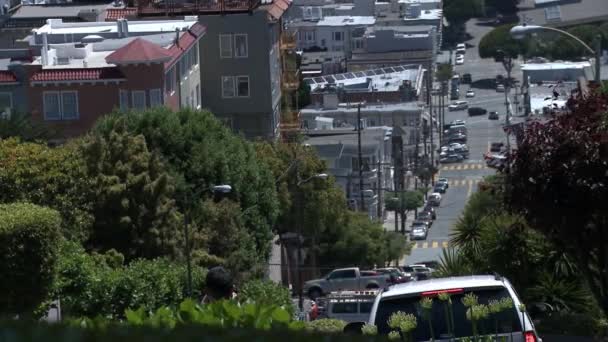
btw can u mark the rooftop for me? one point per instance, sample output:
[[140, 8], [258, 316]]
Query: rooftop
[[58, 27], [7, 77], [139, 51], [384, 79], [339, 141], [403, 29], [77, 74], [411, 2], [344, 108], [555, 65], [338, 20], [553, 95], [564, 13], [62, 11], [433, 14]]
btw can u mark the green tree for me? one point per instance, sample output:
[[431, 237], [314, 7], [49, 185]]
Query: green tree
[[201, 152], [444, 72], [20, 125], [503, 6], [50, 177], [498, 43], [133, 209], [265, 292], [29, 235]]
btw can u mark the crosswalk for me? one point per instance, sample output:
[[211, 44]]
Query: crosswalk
[[430, 244], [463, 182], [463, 166]]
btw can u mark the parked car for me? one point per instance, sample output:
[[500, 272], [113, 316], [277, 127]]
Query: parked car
[[457, 122], [493, 116], [452, 158], [348, 306], [499, 79], [459, 61], [435, 199], [406, 298], [475, 111], [461, 46], [419, 271], [470, 93], [500, 88], [443, 181], [458, 105], [440, 188], [395, 275], [345, 279], [426, 217], [467, 79], [496, 146], [429, 209], [419, 233]]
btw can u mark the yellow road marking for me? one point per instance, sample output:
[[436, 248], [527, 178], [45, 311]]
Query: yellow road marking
[[435, 244], [470, 189], [465, 166], [415, 245], [425, 245], [444, 244]]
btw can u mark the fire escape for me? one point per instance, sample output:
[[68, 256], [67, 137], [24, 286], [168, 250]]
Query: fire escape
[[290, 82]]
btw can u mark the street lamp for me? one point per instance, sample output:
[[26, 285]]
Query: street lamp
[[520, 32], [223, 189]]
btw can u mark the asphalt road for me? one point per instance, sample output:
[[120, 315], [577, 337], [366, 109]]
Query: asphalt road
[[464, 177]]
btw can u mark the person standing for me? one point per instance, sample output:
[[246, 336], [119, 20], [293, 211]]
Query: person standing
[[218, 285]]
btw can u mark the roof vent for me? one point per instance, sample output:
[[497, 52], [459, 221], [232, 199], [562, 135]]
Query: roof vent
[[62, 60]]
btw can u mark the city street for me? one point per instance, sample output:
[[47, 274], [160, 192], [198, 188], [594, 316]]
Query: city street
[[463, 177]]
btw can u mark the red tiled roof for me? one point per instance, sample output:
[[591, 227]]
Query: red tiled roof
[[139, 51], [277, 8], [77, 74], [7, 76], [186, 40], [113, 14]]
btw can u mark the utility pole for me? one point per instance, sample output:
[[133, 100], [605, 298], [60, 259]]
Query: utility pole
[[360, 157], [508, 64], [380, 216], [299, 237]]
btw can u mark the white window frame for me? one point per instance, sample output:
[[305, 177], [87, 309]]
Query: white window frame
[[237, 79], [123, 98], [61, 113], [337, 33], [135, 93], [236, 53], [233, 87], [156, 97], [228, 46]]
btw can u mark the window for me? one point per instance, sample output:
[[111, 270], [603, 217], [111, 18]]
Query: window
[[338, 36], [228, 86], [170, 81], [553, 13], [124, 99], [198, 96], [309, 36], [60, 105], [138, 99], [345, 308], [242, 89], [225, 46], [155, 98], [6, 103], [241, 49], [343, 274]]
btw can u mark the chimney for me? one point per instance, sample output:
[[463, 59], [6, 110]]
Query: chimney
[[125, 27], [44, 53], [119, 27], [177, 37]]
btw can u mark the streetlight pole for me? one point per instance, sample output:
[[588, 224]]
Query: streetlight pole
[[360, 157], [519, 32]]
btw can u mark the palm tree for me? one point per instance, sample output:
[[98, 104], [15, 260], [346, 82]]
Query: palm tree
[[453, 263], [560, 294]]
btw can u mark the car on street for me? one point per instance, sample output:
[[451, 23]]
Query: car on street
[[429, 209], [499, 79], [459, 60], [461, 46], [351, 278], [493, 115], [440, 188], [458, 122], [485, 288], [458, 105], [496, 161], [467, 79], [396, 276], [419, 233], [496, 146], [476, 111], [348, 306], [500, 88], [451, 158], [457, 138], [470, 93], [435, 199], [443, 181], [426, 217], [419, 271]]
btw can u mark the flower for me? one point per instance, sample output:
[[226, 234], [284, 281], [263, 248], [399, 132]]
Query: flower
[[469, 300], [426, 303], [369, 329], [394, 335]]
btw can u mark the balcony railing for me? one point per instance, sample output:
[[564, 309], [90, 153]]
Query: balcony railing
[[291, 79], [159, 7]]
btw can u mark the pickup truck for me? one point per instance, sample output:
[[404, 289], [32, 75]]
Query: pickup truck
[[345, 279]]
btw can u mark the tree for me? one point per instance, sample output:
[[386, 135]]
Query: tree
[[444, 72], [201, 152], [498, 43], [133, 209], [29, 235], [458, 12], [50, 177], [266, 292], [557, 181], [20, 125], [503, 6]]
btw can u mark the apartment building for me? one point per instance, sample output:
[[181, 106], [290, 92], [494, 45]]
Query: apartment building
[[332, 34], [87, 70]]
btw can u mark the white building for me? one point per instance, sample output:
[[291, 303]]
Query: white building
[[331, 33], [556, 71]]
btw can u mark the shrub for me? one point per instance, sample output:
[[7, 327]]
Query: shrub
[[266, 292], [29, 235], [326, 325]]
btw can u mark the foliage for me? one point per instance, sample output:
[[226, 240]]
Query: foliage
[[458, 12], [133, 209], [498, 43], [326, 326], [560, 167], [558, 46], [369, 329], [20, 125], [50, 177], [444, 72], [453, 263], [29, 235], [266, 292], [503, 6], [200, 153], [88, 285]]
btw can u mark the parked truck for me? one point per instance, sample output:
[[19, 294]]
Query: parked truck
[[343, 279]]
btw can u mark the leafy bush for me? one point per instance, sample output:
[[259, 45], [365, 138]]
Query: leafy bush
[[326, 325], [267, 293], [88, 285], [29, 236]]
